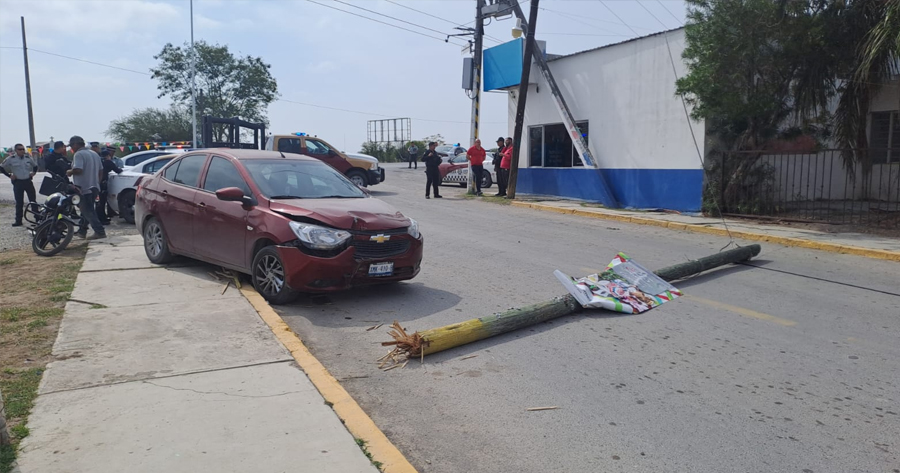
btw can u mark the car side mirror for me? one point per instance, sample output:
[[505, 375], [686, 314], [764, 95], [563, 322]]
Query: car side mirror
[[230, 194]]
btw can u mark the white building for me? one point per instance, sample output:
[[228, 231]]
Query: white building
[[623, 98], [650, 154]]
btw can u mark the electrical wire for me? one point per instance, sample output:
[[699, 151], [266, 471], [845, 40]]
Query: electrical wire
[[455, 24], [677, 20], [385, 23], [619, 18], [79, 60], [578, 18], [651, 14], [388, 16], [687, 117]]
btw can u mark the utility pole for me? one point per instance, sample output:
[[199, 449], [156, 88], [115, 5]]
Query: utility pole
[[28, 91], [193, 84], [523, 94], [476, 71]]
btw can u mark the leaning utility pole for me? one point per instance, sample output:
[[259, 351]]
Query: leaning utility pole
[[523, 94], [28, 92], [584, 153], [476, 71], [193, 85]]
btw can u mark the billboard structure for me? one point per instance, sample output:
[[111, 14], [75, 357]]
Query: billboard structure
[[396, 131]]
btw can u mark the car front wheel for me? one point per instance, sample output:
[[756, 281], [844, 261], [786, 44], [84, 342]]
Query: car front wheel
[[358, 178], [269, 277]]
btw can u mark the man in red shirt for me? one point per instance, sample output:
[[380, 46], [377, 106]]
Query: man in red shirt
[[476, 155]]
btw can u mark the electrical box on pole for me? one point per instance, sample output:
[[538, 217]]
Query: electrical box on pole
[[468, 73]]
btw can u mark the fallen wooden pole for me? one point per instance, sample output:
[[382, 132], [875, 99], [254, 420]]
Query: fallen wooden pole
[[449, 336]]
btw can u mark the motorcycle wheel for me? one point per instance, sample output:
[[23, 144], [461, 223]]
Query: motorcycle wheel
[[52, 236]]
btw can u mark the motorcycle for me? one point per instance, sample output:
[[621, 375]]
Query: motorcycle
[[55, 221]]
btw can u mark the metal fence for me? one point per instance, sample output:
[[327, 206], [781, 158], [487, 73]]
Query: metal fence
[[811, 187]]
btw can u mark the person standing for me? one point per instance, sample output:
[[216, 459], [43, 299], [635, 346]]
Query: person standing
[[20, 168], [108, 167], [56, 163], [506, 157], [413, 151], [115, 159], [432, 160], [85, 172], [476, 155]]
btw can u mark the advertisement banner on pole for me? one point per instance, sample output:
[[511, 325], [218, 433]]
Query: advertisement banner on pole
[[625, 287]]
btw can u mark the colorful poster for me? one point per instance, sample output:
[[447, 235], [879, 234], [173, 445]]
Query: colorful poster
[[625, 286]]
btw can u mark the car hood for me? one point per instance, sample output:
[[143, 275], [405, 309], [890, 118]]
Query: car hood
[[350, 214], [364, 157]]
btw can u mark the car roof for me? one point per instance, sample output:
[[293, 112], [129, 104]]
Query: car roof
[[249, 154]]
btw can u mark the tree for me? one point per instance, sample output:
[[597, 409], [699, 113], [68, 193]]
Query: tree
[[226, 85], [146, 124], [873, 45]]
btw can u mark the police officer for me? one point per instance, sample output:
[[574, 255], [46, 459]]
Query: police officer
[[108, 167], [56, 162], [432, 160], [20, 168]]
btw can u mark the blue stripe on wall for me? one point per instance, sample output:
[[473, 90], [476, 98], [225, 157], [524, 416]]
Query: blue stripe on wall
[[675, 189]]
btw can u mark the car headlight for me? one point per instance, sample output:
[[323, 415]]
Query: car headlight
[[413, 229], [318, 237], [76, 199]]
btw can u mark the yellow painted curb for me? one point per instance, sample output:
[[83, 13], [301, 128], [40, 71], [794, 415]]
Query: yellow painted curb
[[786, 241], [355, 419]]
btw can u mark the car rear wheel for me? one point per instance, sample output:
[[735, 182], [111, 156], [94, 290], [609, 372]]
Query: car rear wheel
[[126, 206], [486, 180], [358, 178], [269, 277], [155, 244]]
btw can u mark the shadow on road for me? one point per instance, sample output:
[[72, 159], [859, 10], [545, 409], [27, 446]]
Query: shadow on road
[[364, 306]]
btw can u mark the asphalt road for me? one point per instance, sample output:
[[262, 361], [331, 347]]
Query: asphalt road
[[791, 366]]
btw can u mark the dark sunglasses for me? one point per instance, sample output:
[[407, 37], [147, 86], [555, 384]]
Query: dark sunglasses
[[20, 149]]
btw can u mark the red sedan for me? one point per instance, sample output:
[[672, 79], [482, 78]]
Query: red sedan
[[292, 223]]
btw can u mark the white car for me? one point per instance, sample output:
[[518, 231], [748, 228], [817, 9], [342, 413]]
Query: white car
[[121, 186], [134, 159], [455, 167]]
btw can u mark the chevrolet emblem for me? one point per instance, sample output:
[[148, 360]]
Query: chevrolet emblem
[[380, 238]]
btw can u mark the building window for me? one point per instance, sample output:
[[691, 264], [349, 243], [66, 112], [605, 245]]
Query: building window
[[535, 145], [884, 137], [551, 146]]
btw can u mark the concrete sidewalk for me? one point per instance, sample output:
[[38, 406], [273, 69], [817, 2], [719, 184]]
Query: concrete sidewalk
[[861, 244], [157, 370]]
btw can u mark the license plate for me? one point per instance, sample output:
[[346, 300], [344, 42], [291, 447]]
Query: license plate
[[381, 269]]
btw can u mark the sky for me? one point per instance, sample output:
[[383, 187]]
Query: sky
[[342, 69]]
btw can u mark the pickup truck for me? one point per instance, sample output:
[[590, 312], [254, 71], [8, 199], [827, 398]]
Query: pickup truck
[[362, 170]]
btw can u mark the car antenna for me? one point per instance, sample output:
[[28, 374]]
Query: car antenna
[[282, 154]]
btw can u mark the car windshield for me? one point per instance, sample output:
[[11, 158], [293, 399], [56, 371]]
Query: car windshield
[[445, 149], [296, 179]]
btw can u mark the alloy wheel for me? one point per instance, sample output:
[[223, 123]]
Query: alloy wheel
[[153, 239], [269, 275]]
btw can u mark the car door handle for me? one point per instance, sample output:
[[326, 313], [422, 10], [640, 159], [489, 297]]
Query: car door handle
[[202, 205], [165, 192]]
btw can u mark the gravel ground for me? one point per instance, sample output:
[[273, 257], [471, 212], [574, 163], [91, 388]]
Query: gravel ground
[[19, 237]]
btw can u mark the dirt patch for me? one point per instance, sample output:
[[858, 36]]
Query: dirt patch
[[35, 290]]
